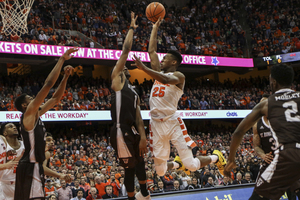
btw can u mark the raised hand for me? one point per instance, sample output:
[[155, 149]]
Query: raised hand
[[68, 70], [67, 56], [133, 20], [157, 23], [138, 63]]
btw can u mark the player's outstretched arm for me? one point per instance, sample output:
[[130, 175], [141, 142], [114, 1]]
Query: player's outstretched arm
[[49, 172], [174, 79], [141, 130], [126, 49], [58, 93], [155, 64], [258, 111], [34, 105], [257, 146]]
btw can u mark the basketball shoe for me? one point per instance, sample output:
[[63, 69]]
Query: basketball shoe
[[221, 162]]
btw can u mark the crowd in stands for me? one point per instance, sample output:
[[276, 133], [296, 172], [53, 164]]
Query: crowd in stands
[[207, 27], [95, 94], [89, 158], [274, 26]]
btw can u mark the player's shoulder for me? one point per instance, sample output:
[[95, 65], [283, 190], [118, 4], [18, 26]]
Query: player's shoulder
[[179, 74]]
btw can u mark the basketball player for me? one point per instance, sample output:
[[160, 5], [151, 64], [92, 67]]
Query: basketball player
[[263, 142], [30, 172], [281, 110], [127, 135], [14, 150], [165, 123]]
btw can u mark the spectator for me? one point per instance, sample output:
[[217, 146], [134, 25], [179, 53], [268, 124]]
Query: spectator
[[64, 193], [49, 188], [83, 184], [122, 191], [210, 183], [109, 193], [79, 195], [114, 183], [76, 188], [100, 184], [239, 179], [225, 181], [195, 184], [93, 194], [203, 104], [168, 181], [176, 186], [160, 187], [248, 178]]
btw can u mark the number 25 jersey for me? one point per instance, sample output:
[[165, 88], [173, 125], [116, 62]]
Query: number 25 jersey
[[284, 116], [164, 99]]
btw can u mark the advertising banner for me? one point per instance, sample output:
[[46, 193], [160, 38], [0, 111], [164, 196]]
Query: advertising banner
[[109, 54], [94, 115]]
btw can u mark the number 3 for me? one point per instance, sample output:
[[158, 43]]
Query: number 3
[[159, 93], [291, 112]]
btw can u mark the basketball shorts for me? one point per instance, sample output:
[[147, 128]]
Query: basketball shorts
[[125, 140], [162, 132], [282, 173], [7, 189], [29, 181]]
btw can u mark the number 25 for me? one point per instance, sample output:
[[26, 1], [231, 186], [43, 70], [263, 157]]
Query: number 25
[[158, 91]]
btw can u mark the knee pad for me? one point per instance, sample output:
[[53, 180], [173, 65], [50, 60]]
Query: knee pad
[[191, 163]]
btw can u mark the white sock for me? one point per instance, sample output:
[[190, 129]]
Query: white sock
[[214, 158], [175, 165]]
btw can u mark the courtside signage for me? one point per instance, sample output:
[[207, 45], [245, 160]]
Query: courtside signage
[[109, 54], [89, 115]]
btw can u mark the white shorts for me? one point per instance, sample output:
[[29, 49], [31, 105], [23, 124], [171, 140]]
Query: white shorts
[[7, 190], [174, 130]]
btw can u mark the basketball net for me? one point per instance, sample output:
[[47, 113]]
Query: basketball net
[[14, 15]]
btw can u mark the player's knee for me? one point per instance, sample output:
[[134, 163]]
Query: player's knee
[[191, 164], [161, 169]]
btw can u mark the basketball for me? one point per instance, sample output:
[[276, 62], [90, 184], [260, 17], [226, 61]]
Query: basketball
[[155, 10]]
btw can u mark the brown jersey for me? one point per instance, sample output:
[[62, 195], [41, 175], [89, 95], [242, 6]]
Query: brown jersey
[[284, 116]]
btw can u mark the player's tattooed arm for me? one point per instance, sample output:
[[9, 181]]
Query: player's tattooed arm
[[155, 64]]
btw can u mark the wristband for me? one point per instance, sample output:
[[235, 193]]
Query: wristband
[[131, 28]]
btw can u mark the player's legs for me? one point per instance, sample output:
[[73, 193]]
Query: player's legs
[[183, 143], [160, 145]]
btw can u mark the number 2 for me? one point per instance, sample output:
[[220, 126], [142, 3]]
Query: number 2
[[158, 91], [291, 111]]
